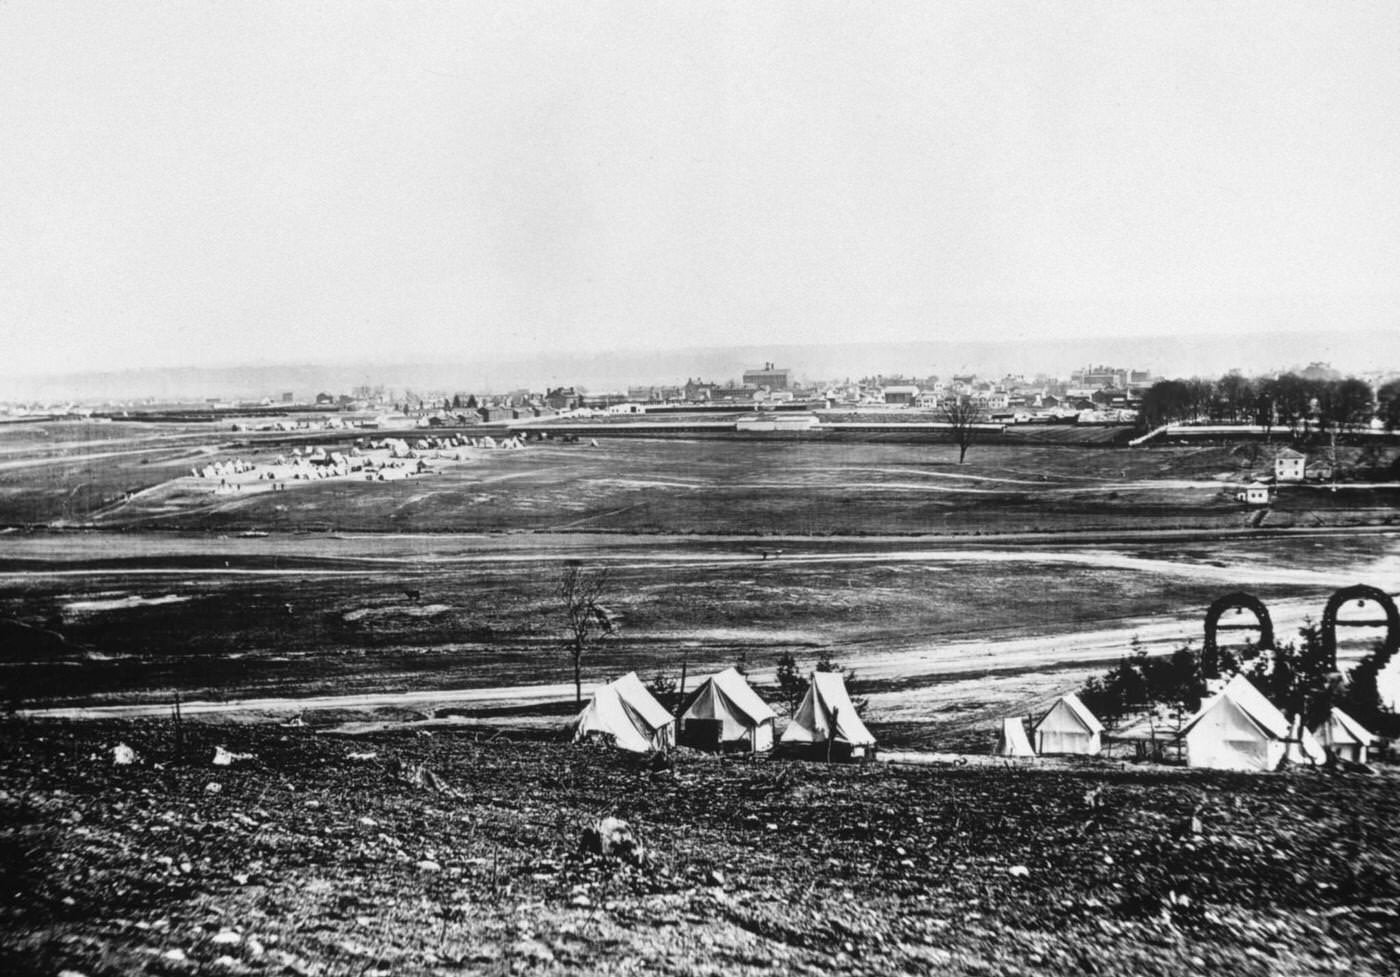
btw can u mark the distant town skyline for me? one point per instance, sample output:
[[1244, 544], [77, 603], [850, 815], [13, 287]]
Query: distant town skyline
[[256, 182], [1373, 355]]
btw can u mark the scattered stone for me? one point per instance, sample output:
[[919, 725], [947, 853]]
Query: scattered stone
[[423, 778], [123, 755], [613, 837], [226, 758]]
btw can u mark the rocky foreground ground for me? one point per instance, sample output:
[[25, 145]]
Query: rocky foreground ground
[[460, 853]]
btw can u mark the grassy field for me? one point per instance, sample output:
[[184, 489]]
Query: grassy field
[[166, 596], [651, 486], [65, 470], [79, 474]]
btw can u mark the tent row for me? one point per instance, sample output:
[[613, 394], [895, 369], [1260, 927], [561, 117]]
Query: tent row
[[1237, 729], [724, 713], [1068, 727]]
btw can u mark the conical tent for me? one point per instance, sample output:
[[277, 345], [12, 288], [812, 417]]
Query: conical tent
[[627, 712], [1068, 727], [1344, 737], [1013, 739], [726, 713], [827, 716], [1238, 729]]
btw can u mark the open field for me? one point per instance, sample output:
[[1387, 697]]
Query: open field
[[956, 592], [940, 632], [321, 857], [638, 485]]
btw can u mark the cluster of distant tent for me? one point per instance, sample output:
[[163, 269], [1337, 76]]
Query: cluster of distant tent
[[1236, 729], [725, 714]]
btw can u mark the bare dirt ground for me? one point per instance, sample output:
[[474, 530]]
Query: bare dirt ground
[[939, 633], [956, 594], [320, 856]]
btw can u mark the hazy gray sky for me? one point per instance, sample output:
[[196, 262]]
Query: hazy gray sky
[[214, 182]]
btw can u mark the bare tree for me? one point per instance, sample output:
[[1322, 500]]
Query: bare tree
[[962, 414], [588, 620]]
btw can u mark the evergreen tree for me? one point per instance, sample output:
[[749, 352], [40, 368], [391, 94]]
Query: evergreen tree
[[791, 685]]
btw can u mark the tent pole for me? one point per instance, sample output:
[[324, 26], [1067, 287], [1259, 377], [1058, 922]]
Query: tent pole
[[831, 733]]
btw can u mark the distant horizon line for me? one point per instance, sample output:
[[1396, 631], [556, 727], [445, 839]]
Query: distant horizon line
[[425, 360]]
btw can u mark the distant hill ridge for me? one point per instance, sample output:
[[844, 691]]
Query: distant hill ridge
[[616, 369]]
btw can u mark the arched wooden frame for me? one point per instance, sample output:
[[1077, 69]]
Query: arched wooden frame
[[1360, 593], [1247, 602]]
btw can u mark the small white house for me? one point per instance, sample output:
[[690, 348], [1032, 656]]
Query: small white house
[[1290, 466], [1255, 493]]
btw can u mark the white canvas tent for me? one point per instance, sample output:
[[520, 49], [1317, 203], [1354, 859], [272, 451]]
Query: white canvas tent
[[726, 713], [1068, 727], [1344, 737], [627, 712], [1239, 729], [1013, 740], [827, 718]]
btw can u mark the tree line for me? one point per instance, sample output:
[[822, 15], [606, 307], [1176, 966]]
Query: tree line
[[1298, 677], [1292, 403]]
